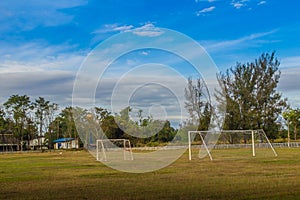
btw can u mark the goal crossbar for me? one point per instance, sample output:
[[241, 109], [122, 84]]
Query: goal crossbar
[[249, 132]]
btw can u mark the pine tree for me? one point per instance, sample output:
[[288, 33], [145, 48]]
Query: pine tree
[[250, 92]]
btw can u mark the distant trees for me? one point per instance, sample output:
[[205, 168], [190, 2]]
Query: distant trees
[[63, 126], [26, 119], [29, 120], [250, 92], [292, 116], [107, 123], [146, 130], [113, 126]]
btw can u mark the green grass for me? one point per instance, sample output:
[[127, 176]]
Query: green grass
[[233, 174]]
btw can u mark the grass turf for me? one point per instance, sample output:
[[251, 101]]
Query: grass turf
[[233, 174]]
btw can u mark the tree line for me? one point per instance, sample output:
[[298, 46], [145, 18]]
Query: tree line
[[27, 120], [248, 90]]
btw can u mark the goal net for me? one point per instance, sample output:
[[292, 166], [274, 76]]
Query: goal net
[[228, 139], [113, 149]]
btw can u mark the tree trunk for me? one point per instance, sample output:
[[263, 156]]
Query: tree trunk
[[295, 132]]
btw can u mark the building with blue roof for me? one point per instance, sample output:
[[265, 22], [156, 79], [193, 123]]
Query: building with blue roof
[[66, 143]]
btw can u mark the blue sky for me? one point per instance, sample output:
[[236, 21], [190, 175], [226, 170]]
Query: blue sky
[[43, 43]]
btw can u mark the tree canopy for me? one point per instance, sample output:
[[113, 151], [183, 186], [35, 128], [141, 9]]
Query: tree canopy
[[250, 92]]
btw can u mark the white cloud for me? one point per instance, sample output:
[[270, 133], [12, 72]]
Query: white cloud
[[236, 43], [108, 28], [289, 80], [205, 10], [16, 15], [123, 28], [54, 85], [289, 84], [148, 30], [239, 3], [262, 3], [290, 62], [37, 69], [143, 87], [36, 56], [210, 1], [142, 91], [145, 53]]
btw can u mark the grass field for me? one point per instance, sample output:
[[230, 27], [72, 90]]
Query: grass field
[[233, 174]]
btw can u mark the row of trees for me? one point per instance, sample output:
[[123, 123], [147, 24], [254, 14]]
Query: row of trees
[[249, 91], [143, 131], [27, 120]]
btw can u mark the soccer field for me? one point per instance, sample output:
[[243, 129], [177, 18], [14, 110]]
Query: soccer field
[[233, 174]]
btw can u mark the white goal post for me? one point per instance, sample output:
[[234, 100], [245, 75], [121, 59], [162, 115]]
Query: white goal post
[[202, 140], [104, 148], [255, 135]]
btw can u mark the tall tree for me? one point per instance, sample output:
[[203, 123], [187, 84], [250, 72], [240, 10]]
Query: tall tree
[[50, 117], [3, 121], [18, 107], [41, 106], [44, 115], [250, 92], [197, 103], [67, 124]]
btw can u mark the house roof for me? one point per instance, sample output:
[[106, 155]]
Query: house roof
[[63, 140]]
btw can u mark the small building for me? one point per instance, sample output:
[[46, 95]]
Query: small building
[[8, 142], [37, 143], [66, 143]]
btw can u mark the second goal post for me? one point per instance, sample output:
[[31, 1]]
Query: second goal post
[[229, 139]]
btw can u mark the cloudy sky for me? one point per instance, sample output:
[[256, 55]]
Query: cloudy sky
[[44, 43]]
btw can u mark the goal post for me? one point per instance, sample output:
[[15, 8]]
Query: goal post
[[109, 149], [268, 141], [203, 142], [253, 143], [230, 139]]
